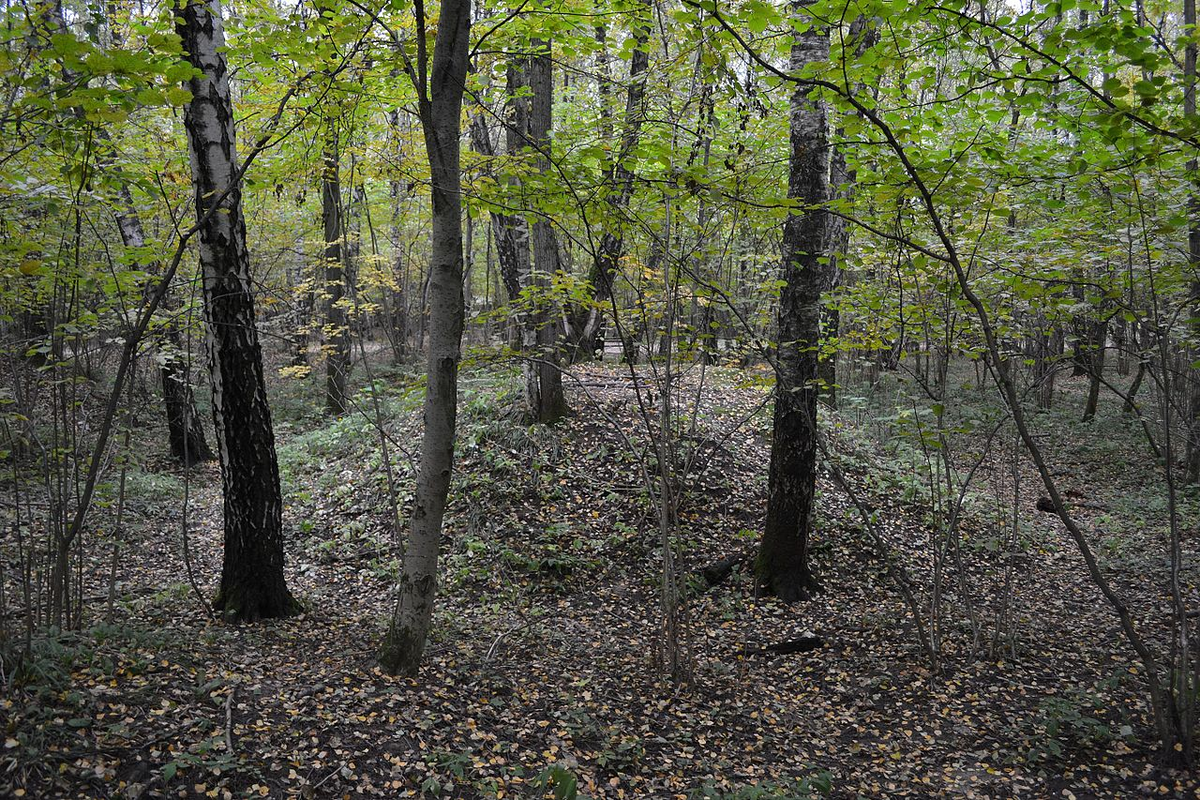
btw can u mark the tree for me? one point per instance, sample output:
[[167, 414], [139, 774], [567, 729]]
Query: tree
[[543, 380], [184, 430], [252, 580], [440, 91], [337, 360], [782, 565], [585, 323]]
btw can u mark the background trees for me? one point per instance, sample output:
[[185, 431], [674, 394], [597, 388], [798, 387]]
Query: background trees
[[945, 223]]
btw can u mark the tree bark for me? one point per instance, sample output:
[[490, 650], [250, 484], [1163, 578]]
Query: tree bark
[[440, 91], [544, 397], [1192, 452], [782, 565], [185, 433], [397, 295], [252, 580], [584, 324], [337, 355]]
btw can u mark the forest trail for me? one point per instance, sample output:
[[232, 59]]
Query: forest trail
[[544, 643]]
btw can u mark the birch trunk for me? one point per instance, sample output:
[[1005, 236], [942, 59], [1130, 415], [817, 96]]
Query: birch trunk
[[252, 580]]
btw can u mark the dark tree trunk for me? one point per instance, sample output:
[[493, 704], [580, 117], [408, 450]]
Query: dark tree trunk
[[252, 580], [842, 186], [440, 104], [337, 359], [398, 316], [1130, 404], [1192, 384], [543, 381], [1049, 347], [184, 429], [782, 566], [1095, 360]]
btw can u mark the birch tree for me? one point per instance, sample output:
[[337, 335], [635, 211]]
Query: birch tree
[[252, 580]]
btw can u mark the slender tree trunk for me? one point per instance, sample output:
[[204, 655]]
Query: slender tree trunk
[[842, 180], [337, 357], [440, 91], [397, 294], [185, 433], [511, 232], [1130, 404], [252, 580], [543, 381], [1095, 360], [1192, 452], [586, 323], [782, 564]]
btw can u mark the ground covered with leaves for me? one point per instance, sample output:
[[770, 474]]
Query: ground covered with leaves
[[543, 677]]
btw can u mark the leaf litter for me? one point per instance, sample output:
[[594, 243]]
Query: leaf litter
[[541, 669]]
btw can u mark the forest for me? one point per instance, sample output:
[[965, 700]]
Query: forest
[[697, 399]]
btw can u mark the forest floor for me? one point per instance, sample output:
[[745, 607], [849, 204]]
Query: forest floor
[[543, 672]]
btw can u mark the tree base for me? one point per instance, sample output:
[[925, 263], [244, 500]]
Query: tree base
[[790, 587], [400, 653], [251, 606]]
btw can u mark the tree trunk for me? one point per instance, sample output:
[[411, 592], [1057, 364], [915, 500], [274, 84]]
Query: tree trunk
[[440, 106], [337, 356], [184, 429], [1095, 359], [398, 318], [510, 230], [1192, 452], [586, 323], [545, 402], [782, 565], [252, 581]]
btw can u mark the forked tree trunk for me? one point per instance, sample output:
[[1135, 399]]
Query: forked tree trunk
[[440, 103], [782, 566], [252, 581]]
